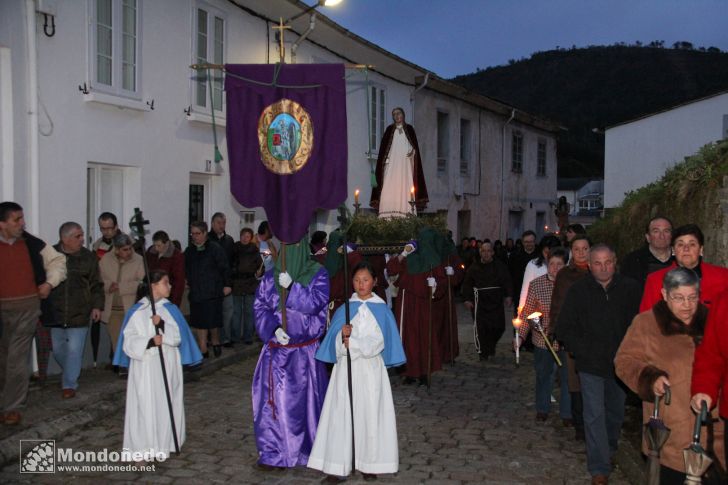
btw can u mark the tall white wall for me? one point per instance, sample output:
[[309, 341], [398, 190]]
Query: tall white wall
[[640, 152], [161, 147]]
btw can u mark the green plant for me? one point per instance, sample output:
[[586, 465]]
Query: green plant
[[687, 193]]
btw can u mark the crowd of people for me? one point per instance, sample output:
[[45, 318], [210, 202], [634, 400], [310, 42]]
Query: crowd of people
[[596, 324]]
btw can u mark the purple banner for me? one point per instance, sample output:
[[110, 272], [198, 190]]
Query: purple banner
[[287, 142]]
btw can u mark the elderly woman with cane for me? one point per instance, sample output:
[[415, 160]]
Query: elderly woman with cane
[[657, 354]]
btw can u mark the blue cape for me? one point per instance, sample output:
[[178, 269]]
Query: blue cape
[[393, 353], [188, 350]]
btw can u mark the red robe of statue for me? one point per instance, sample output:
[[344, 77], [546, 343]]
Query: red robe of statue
[[419, 176]]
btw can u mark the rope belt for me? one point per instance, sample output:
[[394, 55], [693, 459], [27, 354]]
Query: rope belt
[[276, 345], [476, 340], [401, 318], [331, 305]]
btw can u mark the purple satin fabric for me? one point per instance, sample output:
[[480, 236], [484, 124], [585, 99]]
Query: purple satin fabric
[[286, 416]]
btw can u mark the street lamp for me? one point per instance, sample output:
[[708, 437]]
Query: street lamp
[[285, 24], [319, 3]]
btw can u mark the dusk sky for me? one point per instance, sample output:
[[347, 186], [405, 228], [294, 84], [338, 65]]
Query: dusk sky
[[451, 37]]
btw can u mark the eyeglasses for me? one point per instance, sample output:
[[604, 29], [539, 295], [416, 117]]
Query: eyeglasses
[[680, 300], [196, 233]]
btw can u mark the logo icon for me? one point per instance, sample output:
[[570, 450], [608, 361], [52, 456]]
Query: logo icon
[[37, 456], [285, 137]]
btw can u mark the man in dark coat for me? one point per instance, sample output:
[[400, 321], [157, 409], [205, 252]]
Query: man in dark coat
[[76, 302], [520, 258], [593, 321], [247, 270], [486, 289], [654, 256], [217, 235], [400, 126]]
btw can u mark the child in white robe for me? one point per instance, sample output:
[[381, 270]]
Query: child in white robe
[[147, 426], [374, 344]]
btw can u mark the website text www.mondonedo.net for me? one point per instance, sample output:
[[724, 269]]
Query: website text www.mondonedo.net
[[105, 467]]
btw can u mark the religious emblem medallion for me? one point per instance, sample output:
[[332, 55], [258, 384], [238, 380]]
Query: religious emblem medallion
[[285, 136]]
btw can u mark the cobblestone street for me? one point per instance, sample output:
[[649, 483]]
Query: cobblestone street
[[476, 425]]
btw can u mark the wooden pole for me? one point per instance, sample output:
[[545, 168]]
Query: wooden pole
[[449, 316], [137, 225], [429, 339], [284, 291]]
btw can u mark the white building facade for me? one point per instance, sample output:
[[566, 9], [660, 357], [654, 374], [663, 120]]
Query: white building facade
[[639, 152], [106, 115]]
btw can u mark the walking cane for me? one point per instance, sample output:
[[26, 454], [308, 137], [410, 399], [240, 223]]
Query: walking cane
[[137, 226], [343, 220]]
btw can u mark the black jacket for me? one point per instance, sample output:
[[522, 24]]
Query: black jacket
[[35, 246], [593, 321], [640, 263], [246, 262], [207, 271], [227, 244], [80, 292], [517, 266]]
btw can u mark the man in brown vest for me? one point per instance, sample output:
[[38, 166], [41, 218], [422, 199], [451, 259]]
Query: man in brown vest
[[31, 269]]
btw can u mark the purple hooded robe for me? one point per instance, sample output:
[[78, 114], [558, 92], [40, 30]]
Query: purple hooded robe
[[289, 384]]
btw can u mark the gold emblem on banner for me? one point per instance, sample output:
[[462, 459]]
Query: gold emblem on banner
[[285, 136]]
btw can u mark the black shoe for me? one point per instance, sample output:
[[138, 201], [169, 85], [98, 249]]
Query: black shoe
[[423, 381], [408, 380], [217, 350], [541, 417], [248, 342], [482, 357], [228, 345], [579, 434], [206, 355], [369, 477]]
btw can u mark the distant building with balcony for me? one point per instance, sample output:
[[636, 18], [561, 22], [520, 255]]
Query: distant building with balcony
[[585, 197]]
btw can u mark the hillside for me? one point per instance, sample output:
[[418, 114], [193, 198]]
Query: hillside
[[595, 87]]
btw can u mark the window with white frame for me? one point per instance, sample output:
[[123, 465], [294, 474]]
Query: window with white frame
[[208, 48], [541, 158], [116, 47], [377, 120], [465, 146], [517, 152], [590, 203], [443, 141]]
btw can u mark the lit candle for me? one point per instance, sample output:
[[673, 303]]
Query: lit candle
[[412, 193], [356, 196], [516, 325]]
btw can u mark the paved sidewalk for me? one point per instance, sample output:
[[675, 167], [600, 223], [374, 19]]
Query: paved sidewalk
[[101, 393], [476, 425]]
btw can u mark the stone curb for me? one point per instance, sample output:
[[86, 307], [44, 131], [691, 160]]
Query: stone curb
[[109, 399]]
